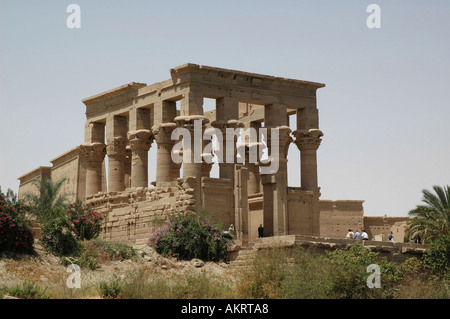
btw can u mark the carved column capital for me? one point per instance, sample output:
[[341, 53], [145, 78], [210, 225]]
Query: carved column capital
[[284, 140], [117, 147], [308, 139], [93, 152], [224, 124], [163, 131], [140, 140], [189, 121]]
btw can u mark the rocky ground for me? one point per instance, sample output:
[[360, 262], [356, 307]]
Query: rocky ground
[[46, 270]]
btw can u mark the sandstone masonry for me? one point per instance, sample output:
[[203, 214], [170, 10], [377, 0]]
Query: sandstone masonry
[[124, 123]]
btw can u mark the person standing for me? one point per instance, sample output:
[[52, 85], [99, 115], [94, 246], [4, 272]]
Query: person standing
[[418, 240], [391, 237], [260, 231]]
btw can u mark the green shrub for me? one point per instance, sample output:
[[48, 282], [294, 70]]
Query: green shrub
[[264, 277], [109, 289], [307, 276], [437, 256], [115, 251], [28, 290], [86, 223], [15, 234], [58, 237], [348, 276], [94, 252], [189, 235]]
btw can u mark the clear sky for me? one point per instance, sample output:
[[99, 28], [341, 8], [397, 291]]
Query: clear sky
[[384, 112]]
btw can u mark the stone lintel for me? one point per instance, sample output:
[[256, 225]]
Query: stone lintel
[[118, 91]]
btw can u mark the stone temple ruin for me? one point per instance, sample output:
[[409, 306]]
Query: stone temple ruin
[[123, 124]]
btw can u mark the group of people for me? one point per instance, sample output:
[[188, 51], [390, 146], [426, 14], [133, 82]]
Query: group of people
[[357, 235], [364, 235], [260, 230]]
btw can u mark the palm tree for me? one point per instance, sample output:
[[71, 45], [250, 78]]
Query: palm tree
[[432, 220], [48, 201]]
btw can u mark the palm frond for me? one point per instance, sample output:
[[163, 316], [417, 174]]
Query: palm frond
[[432, 220]]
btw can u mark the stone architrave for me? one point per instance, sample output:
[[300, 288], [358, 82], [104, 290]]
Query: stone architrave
[[93, 154], [140, 142]]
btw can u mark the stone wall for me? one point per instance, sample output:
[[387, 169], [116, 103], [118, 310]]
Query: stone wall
[[68, 166], [131, 216], [27, 180], [301, 208], [338, 216], [218, 200], [71, 166], [379, 228]]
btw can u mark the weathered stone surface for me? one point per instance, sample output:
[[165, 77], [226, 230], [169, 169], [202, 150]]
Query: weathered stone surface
[[122, 124]]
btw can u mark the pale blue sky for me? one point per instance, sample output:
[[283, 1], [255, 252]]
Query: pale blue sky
[[384, 111]]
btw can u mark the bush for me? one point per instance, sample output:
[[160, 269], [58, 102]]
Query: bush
[[109, 289], [94, 252], [15, 234], [58, 237], [28, 290], [308, 276], [266, 275], [348, 278], [115, 251], [437, 256], [188, 235], [86, 223]]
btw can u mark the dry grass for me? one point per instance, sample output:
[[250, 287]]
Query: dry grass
[[277, 273]]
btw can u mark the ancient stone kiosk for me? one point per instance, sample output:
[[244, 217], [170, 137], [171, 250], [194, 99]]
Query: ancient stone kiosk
[[250, 120]]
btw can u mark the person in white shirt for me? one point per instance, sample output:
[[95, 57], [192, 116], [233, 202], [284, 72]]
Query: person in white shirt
[[357, 235], [364, 235], [349, 234]]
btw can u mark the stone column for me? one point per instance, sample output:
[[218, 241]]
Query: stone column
[[242, 216], [275, 183], [252, 159], [194, 126], [127, 167], [140, 142], [93, 154], [227, 115], [308, 142], [166, 170], [116, 151], [275, 187], [207, 159], [227, 162], [192, 144]]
